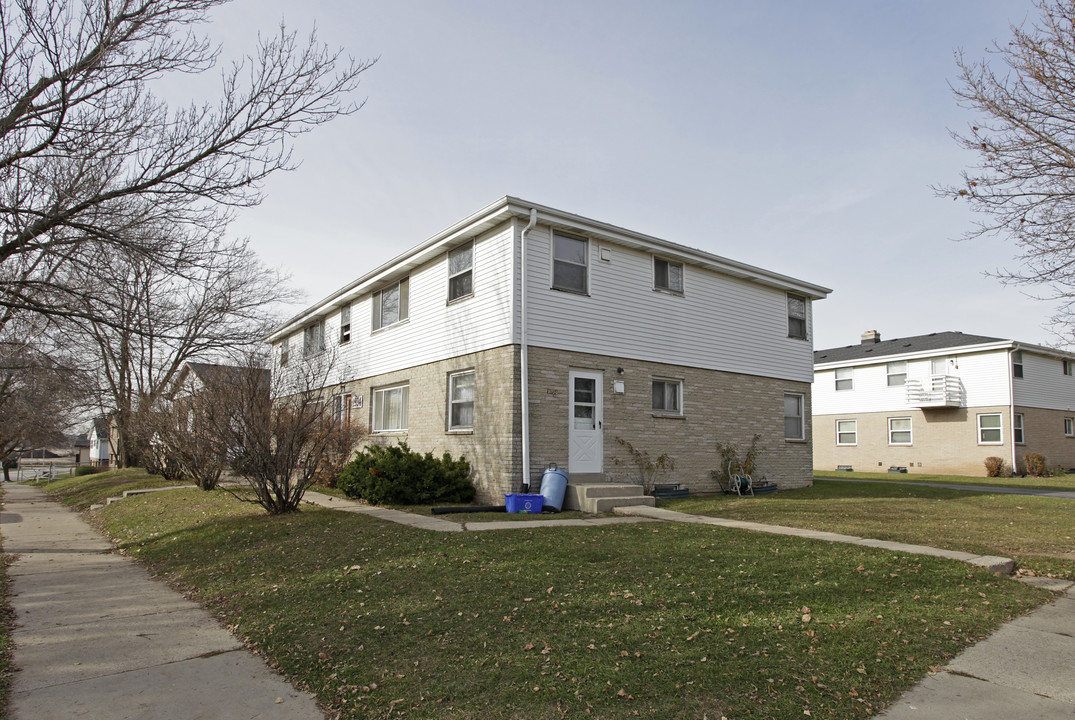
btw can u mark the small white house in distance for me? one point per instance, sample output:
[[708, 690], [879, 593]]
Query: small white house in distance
[[602, 334], [942, 403]]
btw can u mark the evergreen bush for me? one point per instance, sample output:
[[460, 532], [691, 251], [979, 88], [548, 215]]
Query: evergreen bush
[[396, 475]]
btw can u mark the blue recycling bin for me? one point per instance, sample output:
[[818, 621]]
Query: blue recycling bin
[[553, 487]]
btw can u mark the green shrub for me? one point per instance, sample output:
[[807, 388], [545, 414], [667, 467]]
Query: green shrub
[[994, 467], [396, 475], [1035, 464], [86, 470]]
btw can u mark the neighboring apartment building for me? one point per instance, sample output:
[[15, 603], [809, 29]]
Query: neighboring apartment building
[[942, 403], [619, 335]]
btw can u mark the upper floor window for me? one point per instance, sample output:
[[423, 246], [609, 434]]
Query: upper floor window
[[460, 272], [989, 429], [1017, 363], [570, 266], [845, 379], [897, 373], [667, 275], [1068, 367], [796, 316], [390, 304], [345, 324], [938, 366], [313, 338], [668, 397], [284, 347], [794, 427], [461, 401]]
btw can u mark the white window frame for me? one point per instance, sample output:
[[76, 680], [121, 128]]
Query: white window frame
[[313, 338], [841, 430], [345, 324], [666, 383], [896, 373], [801, 417], [909, 430], [402, 307], [1017, 363], [999, 429], [1017, 429], [1069, 427], [848, 379], [585, 289], [453, 403], [461, 274], [669, 285], [377, 407], [793, 316]]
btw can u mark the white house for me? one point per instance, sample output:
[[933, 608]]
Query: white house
[[98, 434], [601, 333], [942, 403]]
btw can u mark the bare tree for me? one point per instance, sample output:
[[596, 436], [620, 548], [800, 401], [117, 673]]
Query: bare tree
[[284, 436], [221, 302], [92, 163], [1024, 135]]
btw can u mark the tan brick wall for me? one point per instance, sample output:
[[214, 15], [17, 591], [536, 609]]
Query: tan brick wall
[[944, 440], [1043, 431], [717, 406], [492, 448]]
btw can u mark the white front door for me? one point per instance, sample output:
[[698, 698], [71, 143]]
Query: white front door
[[585, 434]]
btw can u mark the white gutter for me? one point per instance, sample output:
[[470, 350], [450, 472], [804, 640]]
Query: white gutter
[[1011, 409], [524, 356]]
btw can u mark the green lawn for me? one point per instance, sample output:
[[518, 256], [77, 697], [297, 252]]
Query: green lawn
[[1038, 532], [7, 623], [651, 620], [1060, 482], [82, 492]]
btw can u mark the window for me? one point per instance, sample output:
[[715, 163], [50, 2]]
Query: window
[[845, 379], [1017, 363], [989, 429], [390, 304], [341, 410], [938, 366], [667, 275], [667, 397], [793, 417], [1017, 428], [899, 431], [461, 401], [313, 339], [796, 316], [345, 324], [1069, 427], [390, 409], [847, 432], [569, 264], [897, 373], [460, 275], [1068, 367], [284, 347]]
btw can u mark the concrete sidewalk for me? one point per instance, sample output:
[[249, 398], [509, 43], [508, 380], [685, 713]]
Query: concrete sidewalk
[[998, 489], [97, 637]]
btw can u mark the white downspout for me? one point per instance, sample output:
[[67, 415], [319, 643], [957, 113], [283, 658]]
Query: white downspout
[[1011, 410], [524, 356]]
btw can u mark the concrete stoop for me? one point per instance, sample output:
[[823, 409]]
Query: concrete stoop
[[601, 497]]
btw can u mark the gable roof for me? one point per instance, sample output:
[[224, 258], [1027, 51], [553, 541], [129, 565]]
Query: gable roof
[[902, 346], [507, 208]]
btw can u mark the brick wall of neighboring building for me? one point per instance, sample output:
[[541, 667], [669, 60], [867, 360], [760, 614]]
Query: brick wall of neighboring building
[[718, 406], [1043, 431], [944, 441]]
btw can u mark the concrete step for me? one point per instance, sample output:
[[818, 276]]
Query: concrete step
[[606, 504], [610, 490]]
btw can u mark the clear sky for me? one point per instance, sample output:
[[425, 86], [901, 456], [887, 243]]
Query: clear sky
[[802, 137]]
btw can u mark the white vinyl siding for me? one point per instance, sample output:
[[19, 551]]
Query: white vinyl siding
[[390, 409], [847, 432], [990, 429], [899, 431], [729, 323], [1042, 386]]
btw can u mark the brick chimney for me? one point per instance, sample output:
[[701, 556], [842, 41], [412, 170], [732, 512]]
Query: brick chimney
[[870, 337]]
